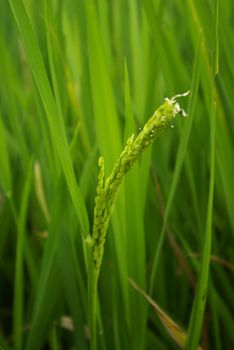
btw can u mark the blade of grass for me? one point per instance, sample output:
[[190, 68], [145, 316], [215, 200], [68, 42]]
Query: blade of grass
[[172, 328], [5, 173], [107, 126], [55, 122], [74, 297], [13, 103], [179, 162], [19, 274], [49, 288], [195, 322], [134, 224]]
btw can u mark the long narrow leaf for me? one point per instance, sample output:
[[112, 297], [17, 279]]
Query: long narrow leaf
[[56, 126]]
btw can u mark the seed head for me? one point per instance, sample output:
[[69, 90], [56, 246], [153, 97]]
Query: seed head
[[107, 189]]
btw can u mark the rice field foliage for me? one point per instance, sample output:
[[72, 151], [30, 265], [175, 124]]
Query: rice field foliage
[[77, 79]]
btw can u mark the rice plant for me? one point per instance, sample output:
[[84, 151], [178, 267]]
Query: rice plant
[[112, 237]]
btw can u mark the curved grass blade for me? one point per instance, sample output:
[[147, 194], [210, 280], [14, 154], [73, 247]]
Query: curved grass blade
[[172, 328], [55, 121]]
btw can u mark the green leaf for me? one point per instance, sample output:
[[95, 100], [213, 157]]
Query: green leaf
[[55, 121], [5, 173]]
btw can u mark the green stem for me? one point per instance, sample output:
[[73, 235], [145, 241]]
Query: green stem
[[92, 300], [94, 311]]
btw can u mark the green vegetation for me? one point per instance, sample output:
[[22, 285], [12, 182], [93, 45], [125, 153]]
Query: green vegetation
[[151, 268]]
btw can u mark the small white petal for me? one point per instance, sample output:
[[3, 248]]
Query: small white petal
[[177, 108], [180, 95]]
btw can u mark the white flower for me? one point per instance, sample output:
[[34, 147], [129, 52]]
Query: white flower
[[173, 102]]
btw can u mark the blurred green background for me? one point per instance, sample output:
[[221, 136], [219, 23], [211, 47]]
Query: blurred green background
[[76, 79]]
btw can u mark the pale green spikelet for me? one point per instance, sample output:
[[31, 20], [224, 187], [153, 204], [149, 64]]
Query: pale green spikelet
[[107, 189], [99, 201]]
